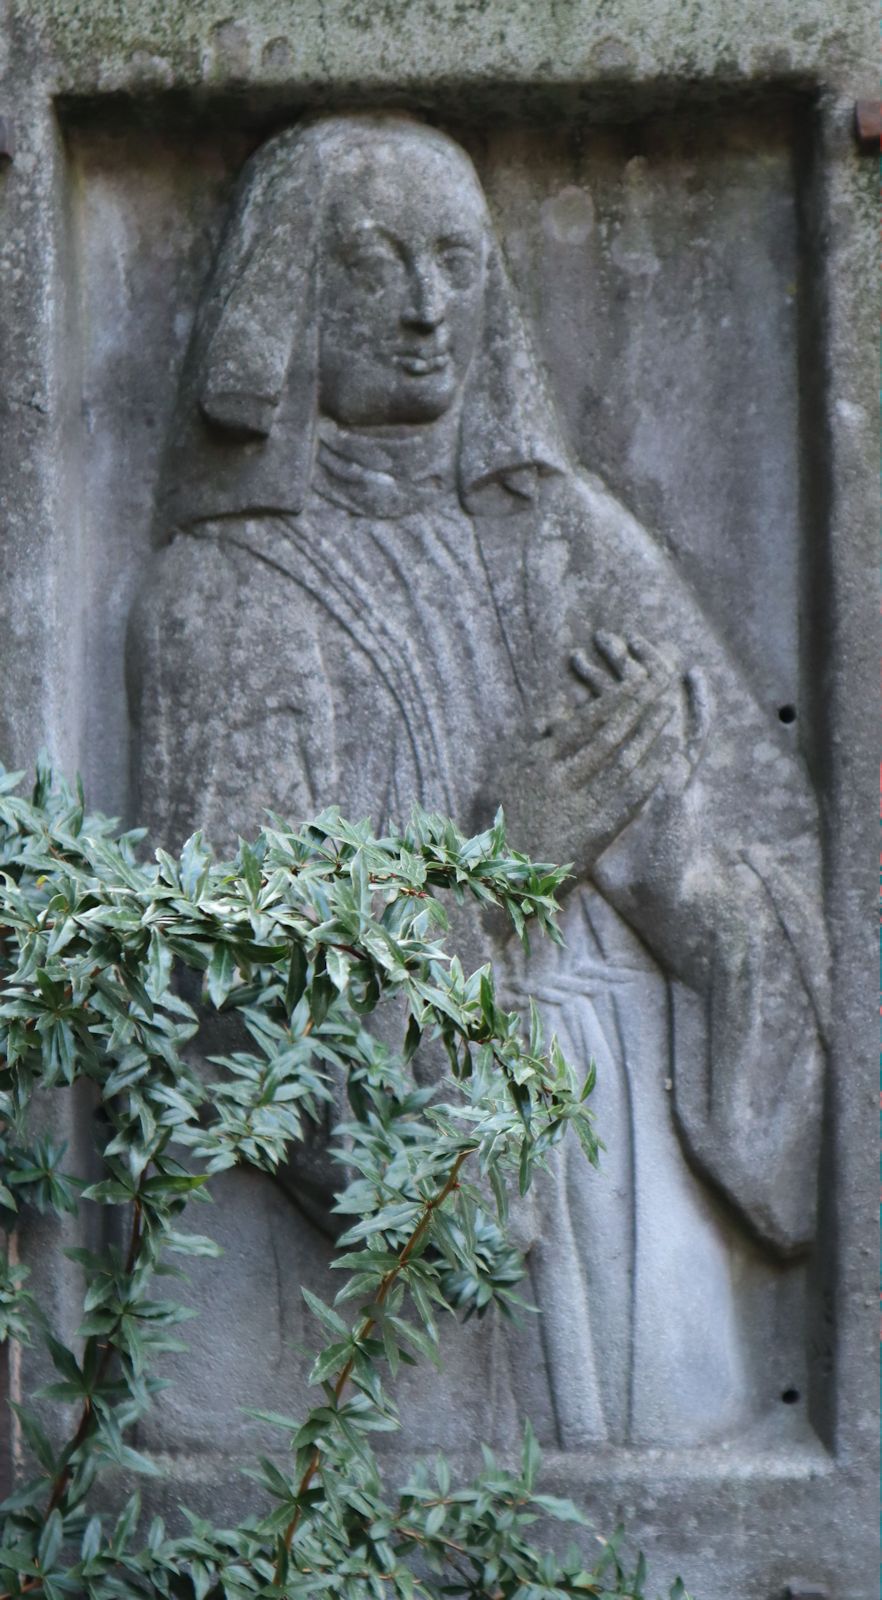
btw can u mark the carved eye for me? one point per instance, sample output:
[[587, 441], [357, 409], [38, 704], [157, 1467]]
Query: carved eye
[[459, 263], [373, 269]]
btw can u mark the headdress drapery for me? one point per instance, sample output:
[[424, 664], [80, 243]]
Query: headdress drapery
[[244, 432]]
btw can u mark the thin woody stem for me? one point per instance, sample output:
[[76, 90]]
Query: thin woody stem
[[430, 1207], [450, 1544], [62, 1479], [64, 1476]]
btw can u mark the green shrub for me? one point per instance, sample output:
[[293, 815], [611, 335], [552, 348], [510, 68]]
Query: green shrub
[[304, 935]]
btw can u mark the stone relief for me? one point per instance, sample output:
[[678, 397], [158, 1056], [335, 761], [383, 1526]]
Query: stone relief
[[380, 580]]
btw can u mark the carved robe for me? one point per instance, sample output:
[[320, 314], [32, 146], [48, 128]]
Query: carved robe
[[379, 647]]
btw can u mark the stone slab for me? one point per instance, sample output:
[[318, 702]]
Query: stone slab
[[102, 98]]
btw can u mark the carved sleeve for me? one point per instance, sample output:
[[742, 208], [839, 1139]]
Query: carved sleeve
[[737, 927], [721, 880]]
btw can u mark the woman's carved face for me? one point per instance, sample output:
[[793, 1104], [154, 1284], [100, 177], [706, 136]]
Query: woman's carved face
[[402, 279]]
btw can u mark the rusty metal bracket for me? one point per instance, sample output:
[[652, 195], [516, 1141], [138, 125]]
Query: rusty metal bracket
[[7, 140], [868, 124]]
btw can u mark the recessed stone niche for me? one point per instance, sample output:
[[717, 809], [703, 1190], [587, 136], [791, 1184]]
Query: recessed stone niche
[[664, 259]]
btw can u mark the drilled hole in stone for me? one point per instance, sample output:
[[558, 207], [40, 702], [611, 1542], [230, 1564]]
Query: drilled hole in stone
[[787, 713], [790, 1396]]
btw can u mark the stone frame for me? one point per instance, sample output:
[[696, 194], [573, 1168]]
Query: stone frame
[[733, 1526]]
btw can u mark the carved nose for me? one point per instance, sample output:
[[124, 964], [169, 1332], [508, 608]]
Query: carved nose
[[426, 306]]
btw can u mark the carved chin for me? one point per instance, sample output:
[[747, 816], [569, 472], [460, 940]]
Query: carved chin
[[422, 394]]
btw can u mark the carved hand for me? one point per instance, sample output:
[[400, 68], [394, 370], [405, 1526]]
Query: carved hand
[[587, 776]]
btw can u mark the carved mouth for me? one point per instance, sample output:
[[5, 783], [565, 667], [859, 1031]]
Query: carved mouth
[[417, 366]]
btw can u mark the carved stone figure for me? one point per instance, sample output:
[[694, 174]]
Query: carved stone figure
[[381, 581]]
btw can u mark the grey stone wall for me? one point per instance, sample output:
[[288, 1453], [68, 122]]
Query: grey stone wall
[[690, 230]]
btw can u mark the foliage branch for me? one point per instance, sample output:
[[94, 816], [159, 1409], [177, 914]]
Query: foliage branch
[[307, 933]]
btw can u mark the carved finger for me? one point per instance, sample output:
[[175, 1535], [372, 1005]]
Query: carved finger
[[582, 669], [653, 660], [579, 733], [634, 774], [592, 734], [613, 651], [635, 789], [634, 751]]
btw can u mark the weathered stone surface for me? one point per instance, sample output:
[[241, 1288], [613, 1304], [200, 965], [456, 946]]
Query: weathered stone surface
[[383, 585], [407, 43], [693, 292]]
